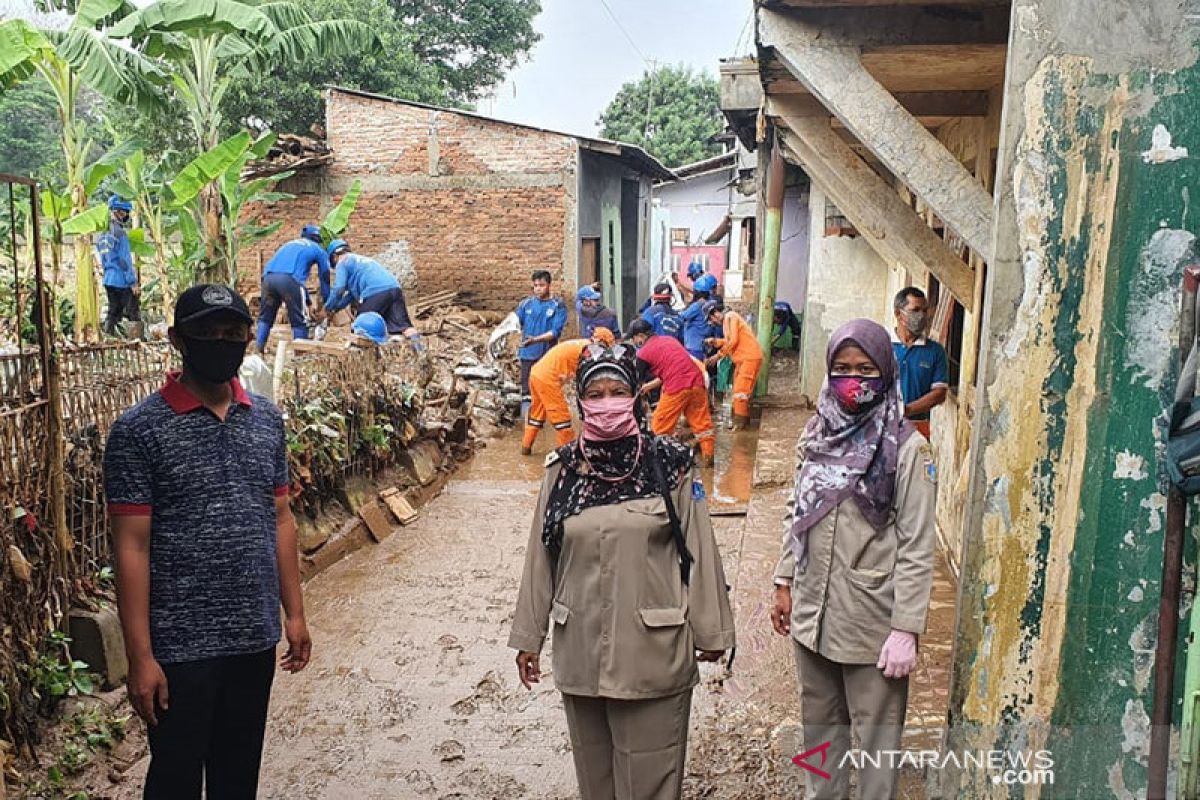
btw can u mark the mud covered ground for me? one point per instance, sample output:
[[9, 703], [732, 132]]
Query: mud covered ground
[[412, 693]]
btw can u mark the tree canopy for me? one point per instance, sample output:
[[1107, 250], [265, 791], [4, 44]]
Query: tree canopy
[[673, 112], [432, 51]]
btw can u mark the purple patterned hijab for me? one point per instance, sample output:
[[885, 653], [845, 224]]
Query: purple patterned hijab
[[851, 455]]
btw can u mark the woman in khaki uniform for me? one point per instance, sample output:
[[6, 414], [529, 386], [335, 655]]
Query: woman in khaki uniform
[[852, 584], [622, 560]]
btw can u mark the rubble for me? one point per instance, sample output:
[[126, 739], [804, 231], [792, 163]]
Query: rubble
[[290, 152]]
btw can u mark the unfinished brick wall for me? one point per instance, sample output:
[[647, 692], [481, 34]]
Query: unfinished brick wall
[[449, 201]]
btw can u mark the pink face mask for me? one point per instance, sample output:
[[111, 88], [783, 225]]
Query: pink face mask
[[856, 394], [608, 418]]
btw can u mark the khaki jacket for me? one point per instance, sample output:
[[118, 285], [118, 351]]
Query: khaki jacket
[[625, 626], [860, 582]]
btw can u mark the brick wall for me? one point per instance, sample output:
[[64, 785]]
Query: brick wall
[[449, 201]]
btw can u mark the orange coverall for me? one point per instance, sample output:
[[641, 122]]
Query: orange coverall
[[546, 393], [741, 344]]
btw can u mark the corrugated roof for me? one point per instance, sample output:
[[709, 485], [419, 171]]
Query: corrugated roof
[[630, 154]]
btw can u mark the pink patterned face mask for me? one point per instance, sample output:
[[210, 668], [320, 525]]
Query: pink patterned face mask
[[856, 394], [608, 418]]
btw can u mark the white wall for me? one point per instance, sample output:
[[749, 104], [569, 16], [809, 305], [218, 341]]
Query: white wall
[[698, 204], [845, 281], [791, 283]]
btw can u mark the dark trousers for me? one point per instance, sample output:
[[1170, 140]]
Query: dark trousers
[[122, 303], [390, 305], [279, 289], [212, 733]]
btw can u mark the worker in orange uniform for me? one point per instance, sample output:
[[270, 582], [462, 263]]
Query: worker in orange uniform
[[740, 344], [682, 380], [545, 388]]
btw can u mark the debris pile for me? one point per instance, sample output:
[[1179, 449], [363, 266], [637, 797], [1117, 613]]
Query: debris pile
[[290, 152]]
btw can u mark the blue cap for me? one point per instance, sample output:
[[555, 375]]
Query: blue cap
[[312, 232], [695, 270], [115, 203], [588, 293], [371, 325], [705, 283], [337, 244]]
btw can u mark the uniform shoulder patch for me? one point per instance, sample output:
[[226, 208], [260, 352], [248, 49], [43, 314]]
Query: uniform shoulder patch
[[698, 489], [930, 471], [551, 458]]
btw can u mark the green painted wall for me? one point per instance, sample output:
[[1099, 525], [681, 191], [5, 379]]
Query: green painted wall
[[1064, 526]]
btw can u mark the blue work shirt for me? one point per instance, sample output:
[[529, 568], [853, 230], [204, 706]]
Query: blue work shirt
[[116, 258], [922, 368], [359, 277], [695, 328], [665, 320], [599, 318], [296, 258], [538, 317]]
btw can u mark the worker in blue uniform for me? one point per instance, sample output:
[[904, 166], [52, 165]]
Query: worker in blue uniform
[[542, 319], [116, 259], [662, 315], [283, 281], [594, 314], [696, 327], [369, 284]]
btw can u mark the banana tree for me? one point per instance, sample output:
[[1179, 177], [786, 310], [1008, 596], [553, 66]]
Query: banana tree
[[237, 194], [67, 60], [208, 43]]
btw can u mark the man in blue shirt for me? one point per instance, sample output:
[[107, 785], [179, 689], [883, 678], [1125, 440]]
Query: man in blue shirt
[[662, 315], [116, 258], [369, 284], [196, 481], [695, 326], [594, 314], [923, 368], [542, 319], [283, 281]]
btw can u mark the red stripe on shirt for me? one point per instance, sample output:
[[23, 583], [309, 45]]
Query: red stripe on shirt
[[129, 509], [281, 491]]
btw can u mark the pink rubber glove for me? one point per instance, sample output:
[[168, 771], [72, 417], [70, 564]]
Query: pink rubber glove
[[898, 656]]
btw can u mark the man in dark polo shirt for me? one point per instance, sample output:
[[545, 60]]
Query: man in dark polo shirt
[[196, 480], [922, 361]]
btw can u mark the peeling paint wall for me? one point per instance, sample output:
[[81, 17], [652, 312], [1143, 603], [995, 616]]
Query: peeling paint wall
[[1065, 513]]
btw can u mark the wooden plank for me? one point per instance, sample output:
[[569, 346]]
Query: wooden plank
[[837, 77]]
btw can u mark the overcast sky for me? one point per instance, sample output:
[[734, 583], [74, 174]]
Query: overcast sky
[[584, 58]]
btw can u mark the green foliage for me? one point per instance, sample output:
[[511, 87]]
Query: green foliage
[[206, 168], [673, 113], [338, 219], [30, 129], [471, 45], [55, 675]]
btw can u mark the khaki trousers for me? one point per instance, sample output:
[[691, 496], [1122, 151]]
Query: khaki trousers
[[629, 749], [836, 699]]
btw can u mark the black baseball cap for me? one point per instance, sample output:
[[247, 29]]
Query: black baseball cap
[[206, 299]]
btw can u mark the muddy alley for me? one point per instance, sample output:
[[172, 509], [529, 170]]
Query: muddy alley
[[412, 692]]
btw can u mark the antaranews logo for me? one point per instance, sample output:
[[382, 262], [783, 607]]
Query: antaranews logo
[[1011, 768]]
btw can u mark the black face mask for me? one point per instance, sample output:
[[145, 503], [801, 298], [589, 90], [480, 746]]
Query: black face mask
[[213, 360]]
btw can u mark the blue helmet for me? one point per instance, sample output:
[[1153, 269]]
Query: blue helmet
[[311, 232], [695, 270], [336, 245], [705, 283], [371, 325], [115, 203]]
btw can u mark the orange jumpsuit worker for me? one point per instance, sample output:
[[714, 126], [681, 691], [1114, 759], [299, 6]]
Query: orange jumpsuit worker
[[682, 380], [545, 389], [739, 342]]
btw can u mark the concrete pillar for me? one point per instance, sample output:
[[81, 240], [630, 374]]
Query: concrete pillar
[[1065, 515]]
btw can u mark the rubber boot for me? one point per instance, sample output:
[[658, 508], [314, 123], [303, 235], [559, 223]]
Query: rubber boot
[[740, 423]]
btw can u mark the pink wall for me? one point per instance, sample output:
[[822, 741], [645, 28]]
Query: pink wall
[[683, 256]]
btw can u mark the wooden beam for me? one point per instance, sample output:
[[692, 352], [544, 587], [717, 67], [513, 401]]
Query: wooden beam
[[894, 229], [836, 76], [906, 26], [919, 104]]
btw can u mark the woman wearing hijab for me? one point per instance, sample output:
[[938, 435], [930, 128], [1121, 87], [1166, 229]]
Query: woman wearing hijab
[[622, 560], [852, 585]]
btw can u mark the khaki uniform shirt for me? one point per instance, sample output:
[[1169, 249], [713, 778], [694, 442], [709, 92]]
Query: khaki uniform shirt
[[625, 626], [861, 582]]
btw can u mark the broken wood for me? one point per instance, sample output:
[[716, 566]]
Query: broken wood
[[376, 520], [398, 504]]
